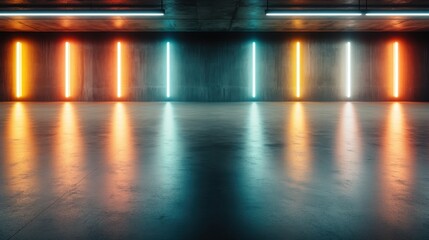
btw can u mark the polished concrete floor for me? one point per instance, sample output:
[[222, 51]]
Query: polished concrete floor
[[214, 170]]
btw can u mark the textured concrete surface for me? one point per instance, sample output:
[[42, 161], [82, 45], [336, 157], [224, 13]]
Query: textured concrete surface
[[216, 67], [220, 170]]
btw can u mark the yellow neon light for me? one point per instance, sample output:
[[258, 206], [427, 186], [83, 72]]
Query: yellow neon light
[[67, 76], [396, 70], [119, 80], [298, 69], [18, 69]]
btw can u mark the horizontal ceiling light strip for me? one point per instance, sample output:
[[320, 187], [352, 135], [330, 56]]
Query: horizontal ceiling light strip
[[345, 13], [86, 13], [315, 13], [381, 13]]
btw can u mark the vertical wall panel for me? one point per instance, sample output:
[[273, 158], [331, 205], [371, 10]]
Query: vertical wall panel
[[222, 71]]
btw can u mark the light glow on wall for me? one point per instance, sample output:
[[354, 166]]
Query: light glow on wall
[[67, 72], [396, 69], [119, 71], [349, 69], [18, 70], [253, 69], [298, 70], [168, 69]]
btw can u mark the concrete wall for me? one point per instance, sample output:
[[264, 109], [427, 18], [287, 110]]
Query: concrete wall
[[216, 66]]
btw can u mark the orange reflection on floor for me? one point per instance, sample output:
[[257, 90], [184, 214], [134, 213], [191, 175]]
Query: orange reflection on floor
[[396, 168], [299, 154], [348, 146], [121, 158], [68, 148], [21, 154]]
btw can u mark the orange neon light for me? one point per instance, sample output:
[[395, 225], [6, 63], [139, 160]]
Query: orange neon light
[[67, 74], [298, 70], [396, 70], [118, 63], [18, 69]]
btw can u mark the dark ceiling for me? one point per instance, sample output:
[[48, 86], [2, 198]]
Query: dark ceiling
[[213, 15]]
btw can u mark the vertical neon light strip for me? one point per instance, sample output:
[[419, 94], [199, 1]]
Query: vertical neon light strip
[[396, 69], [118, 63], [253, 70], [298, 69], [168, 69], [349, 69], [18, 70], [67, 76]]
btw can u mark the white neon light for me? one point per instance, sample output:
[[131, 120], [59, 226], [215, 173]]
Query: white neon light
[[168, 69], [79, 14], [396, 69], [119, 72], [349, 69], [292, 13], [254, 69], [67, 74], [298, 69], [313, 14], [399, 14], [18, 70]]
